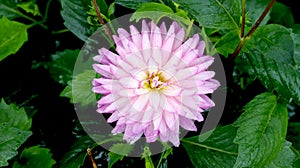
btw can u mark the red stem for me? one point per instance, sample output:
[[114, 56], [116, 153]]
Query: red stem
[[257, 23]]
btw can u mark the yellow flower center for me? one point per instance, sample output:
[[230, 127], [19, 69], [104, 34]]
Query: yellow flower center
[[155, 80]]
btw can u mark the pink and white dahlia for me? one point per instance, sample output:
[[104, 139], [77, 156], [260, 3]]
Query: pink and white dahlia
[[155, 83]]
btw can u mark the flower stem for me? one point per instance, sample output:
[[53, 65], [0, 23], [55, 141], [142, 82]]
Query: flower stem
[[89, 152], [160, 159], [60, 31], [257, 23], [243, 17], [188, 31], [97, 9], [98, 12], [47, 9]]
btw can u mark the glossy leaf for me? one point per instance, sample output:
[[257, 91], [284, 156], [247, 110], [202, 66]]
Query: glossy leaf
[[282, 14], [218, 150], [262, 128], [285, 157], [9, 9], [35, 157], [133, 4], [74, 13], [12, 36], [270, 56], [79, 90], [14, 116], [219, 14], [254, 9], [14, 130], [62, 65], [296, 39], [228, 43]]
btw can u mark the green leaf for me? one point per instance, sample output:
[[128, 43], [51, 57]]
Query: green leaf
[[62, 65], [103, 7], [12, 36], [296, 39], [11, 139], [114, 158], [156, 11], [117, 152], [14, 130], [294, 134], [121, 148], [282, 14], [285, 157], [154, 6], [297, 163], [79, 90], [255, 8], [219, 14], [269, 56], [218, 150], [78, 152], [155, 16], [111, 10], [14, 117], [228, 43], [30, 7], [8, 8], [261, 131], [35, 157], [76, 155], [133, 4], [74, 13]]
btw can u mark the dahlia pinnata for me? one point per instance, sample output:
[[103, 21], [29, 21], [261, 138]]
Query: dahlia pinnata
[[155, 83]]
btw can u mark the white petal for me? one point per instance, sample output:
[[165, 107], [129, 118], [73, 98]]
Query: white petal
[[129, 82], [141, 102], [141, 91], [148, 115], [145, 36], [136, 61], [205, 75], [172, 90], [156, 37], [154, 100], [157, 56]]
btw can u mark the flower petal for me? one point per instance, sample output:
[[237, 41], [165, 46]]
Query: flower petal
[[187, 124], [172, 90]]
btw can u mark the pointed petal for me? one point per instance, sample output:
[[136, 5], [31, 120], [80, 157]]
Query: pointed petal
[[136, 36], [187, 124]]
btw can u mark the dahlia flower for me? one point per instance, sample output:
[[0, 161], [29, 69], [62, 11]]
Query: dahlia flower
[[155, 84]]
